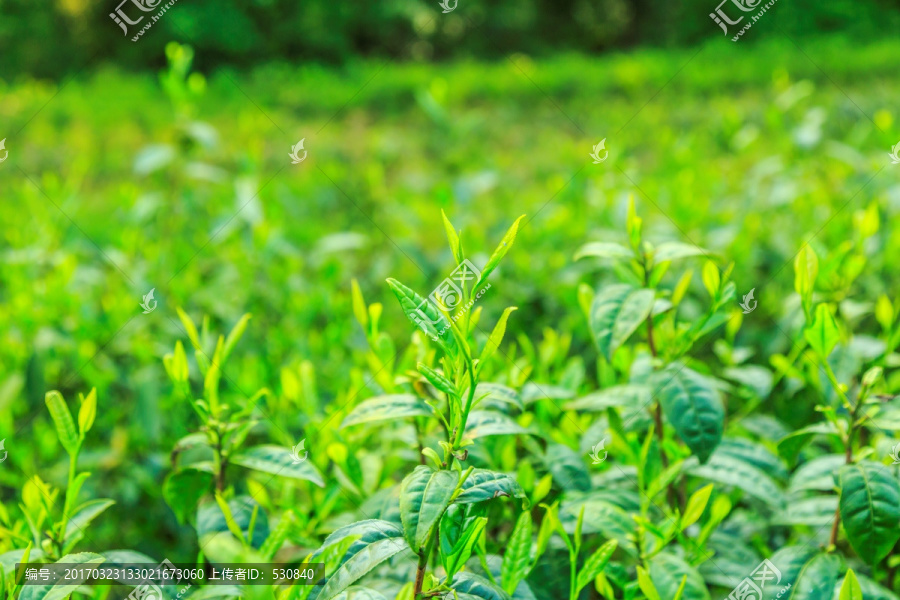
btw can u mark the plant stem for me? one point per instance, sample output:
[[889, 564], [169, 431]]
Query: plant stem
[[671, 493], [573, 559], [848, 446], [420, 571]]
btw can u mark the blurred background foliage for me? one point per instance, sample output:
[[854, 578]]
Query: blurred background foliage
[[121, 181], [65, 36]]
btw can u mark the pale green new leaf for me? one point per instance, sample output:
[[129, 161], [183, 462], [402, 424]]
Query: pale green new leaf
[[595, 564], [452, 238], [437, 379], [87, 413], [495, 338], [501, 250], [517, 557], [822, 334], [850, 589], [62, 419]]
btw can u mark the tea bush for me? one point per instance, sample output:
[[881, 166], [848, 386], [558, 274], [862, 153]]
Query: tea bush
[[602, 407]]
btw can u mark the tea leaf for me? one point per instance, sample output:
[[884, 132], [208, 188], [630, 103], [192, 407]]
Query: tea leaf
[[692, 405], [870, 509], [383, 408], [822, 334], [278, 461], [517, 558], [376, 542], [87, 413], [426, 316], [62, 418], [595, 564], [616, 313], [850, 589], [483, 484], [504, 246]]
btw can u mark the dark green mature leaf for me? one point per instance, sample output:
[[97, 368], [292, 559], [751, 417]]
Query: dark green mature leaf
[[815, 511], [616, 313], [600, 516], [412, 491], [692, 405], [183, 491], [817, 578], [424, 496], [517, 557], [390, 407], [376, 542], [425, 315], [278, 461], [727, 469], [483, 484], [478, 587], [58, 591], [210, 519], [568, 468], [595, 564], [667, 571], [502, 248], [628, 394], [870, 509], [483, 423], [62, 418]]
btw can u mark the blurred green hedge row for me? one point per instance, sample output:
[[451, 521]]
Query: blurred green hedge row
[[58, 38]]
